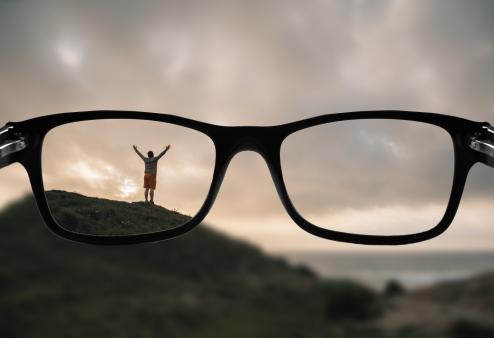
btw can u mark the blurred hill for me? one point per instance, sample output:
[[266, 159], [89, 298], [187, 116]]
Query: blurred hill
[[202, 284], [474, 293], [459, 308]]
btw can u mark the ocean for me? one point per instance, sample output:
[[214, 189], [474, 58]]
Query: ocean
[[412, 270]]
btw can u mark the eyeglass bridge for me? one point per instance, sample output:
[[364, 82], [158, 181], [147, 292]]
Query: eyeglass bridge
[[11, 142], [483, 142]]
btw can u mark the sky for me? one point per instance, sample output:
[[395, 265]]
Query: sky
[[254, 63]]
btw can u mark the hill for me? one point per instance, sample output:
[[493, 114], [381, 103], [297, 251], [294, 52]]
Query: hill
[[202, 284], [457, 309], [474, 293], [100, 216]]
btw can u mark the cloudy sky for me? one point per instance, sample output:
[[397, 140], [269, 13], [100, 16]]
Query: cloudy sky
[[254, 63]]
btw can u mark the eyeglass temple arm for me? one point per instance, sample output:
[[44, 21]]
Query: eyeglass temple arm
[[483, 143], [11, 142]]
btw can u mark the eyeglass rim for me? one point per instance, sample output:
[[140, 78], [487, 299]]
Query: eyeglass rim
[[265, 140]]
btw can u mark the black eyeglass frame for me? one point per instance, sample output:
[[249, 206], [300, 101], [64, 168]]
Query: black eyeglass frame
[[472, 141]]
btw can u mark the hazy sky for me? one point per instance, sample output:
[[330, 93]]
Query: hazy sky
[[256, 63]]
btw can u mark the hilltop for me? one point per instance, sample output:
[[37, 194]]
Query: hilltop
[[101, 216]]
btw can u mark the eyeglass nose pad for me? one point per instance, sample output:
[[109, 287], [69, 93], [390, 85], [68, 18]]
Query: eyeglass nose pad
[[223, 161], [273, 162]]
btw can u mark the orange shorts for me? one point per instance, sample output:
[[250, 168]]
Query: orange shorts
[[149, 181]]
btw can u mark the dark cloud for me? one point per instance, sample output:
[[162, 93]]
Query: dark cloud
[[457, 37], [231, 58]]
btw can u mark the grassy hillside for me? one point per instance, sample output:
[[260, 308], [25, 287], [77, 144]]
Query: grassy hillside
[[99, 216], [200, 285], [203, 284]]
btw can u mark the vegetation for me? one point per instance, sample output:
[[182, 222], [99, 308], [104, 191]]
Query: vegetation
[[393, 289], [202, 284], [98, 216], [346, 301], [468, 329]]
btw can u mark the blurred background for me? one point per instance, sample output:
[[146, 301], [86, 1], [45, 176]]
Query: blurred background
[[251, 271]]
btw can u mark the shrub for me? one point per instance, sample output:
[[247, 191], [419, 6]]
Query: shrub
[[393, 288], [350, 301], [463, 328]]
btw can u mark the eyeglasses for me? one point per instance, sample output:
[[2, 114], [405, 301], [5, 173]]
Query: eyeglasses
[[369, 177]]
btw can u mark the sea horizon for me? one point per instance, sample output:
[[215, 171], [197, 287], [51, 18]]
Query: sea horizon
[[412, 270]]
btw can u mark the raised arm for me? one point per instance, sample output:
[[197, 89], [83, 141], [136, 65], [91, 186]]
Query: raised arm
[[164, 151], [138, 152]]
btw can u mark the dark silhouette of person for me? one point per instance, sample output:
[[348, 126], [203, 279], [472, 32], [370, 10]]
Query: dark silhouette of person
[[150, 171]]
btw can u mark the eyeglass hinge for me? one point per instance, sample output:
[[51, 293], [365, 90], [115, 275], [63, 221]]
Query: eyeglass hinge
[[483, 142], [11, 141]]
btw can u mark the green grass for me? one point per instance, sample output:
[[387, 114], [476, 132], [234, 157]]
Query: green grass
[[98, 216]]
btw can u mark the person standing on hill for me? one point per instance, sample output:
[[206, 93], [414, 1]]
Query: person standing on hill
[[150, 171]]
